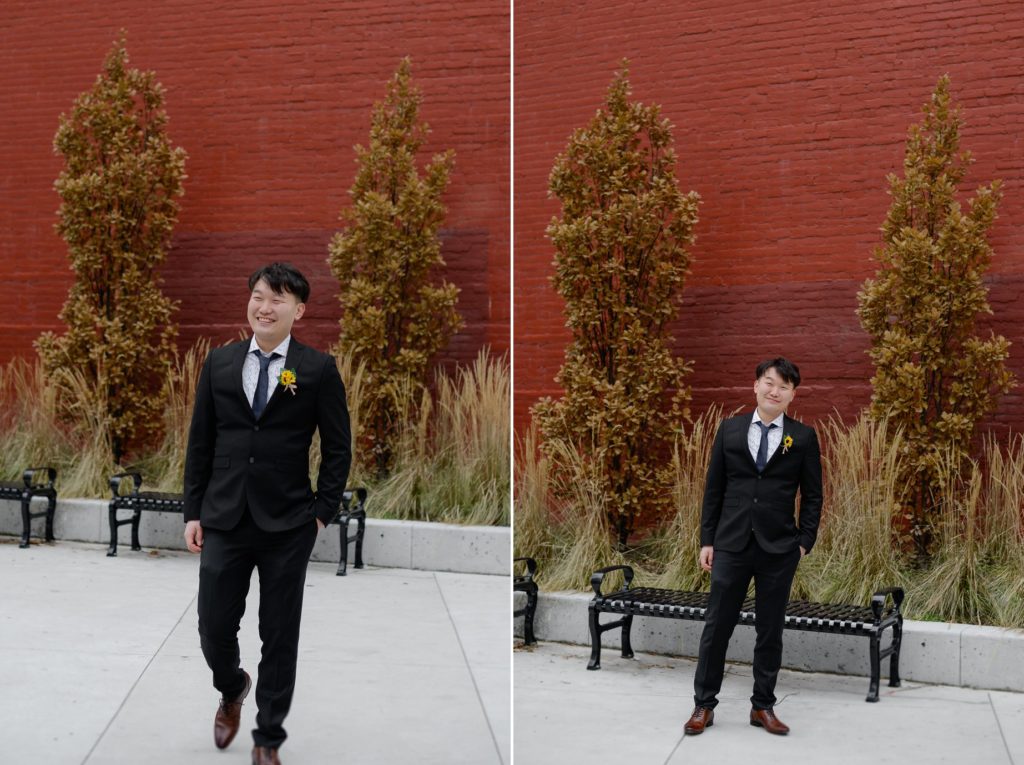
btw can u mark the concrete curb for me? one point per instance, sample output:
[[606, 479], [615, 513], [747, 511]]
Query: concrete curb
[[387, 543], [932, 652]]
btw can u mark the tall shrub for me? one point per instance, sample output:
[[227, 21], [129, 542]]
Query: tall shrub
[[118, 191], [397, 312], [935, 375], [619, 265]]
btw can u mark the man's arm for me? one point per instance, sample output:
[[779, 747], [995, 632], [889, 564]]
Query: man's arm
[[714, 495], [202, 438], [714, 490], [335, 443], [810, 494]]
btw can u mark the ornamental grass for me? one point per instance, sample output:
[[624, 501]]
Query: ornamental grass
[[452, 462], [976, 575]]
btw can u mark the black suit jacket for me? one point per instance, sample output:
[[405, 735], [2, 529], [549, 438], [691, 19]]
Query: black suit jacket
[[737, 500], [234, 460]]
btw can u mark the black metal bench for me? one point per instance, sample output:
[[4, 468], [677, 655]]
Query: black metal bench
[[24, 492], [353, 508], [870, 622], [524, 583], [156, 501], [137, 501]]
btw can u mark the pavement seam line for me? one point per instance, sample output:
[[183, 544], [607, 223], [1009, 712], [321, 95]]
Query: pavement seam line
[[675, 749], [999, 725], [131, 690], [465, 658]]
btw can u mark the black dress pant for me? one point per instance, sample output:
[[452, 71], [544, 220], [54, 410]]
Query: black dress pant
[[226, 564], [731, 573]]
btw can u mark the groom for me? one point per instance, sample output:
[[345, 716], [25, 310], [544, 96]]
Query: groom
[[248, 500], [748, 531]]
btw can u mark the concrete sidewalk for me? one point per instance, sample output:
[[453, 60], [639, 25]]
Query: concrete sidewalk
[[100, 663], [633, 711]]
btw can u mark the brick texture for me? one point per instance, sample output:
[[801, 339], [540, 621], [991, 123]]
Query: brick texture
[[788, 116], [268, 98]]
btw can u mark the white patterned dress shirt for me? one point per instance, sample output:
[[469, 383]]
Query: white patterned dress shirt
[[251, 368], [754, 434]]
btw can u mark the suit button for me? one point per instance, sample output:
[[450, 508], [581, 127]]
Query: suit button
[[257, 428], [755, 498], [253, 459]]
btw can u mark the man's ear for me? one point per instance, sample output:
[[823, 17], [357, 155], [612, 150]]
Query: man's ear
[[299, 310]]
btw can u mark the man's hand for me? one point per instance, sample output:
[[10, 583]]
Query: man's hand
[[707, 555], [803, 552], [319, 524], [194, 536]]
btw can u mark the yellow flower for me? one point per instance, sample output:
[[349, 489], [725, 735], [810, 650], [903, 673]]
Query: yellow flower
[[786, 443], [287, 380]]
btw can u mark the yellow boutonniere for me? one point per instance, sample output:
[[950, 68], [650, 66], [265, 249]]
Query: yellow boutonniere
[[287, 380], [786, 443]]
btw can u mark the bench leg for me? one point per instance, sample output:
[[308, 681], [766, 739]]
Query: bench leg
[[360, 530], [136, 517], [627, 646], [112, 550], [531, 608], [875, 668], [595, 640], [51, 509], [894, 659], [343, 541], [26, 521]]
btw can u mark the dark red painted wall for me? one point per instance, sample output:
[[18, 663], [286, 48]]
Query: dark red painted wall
[[788, 116], [268, 98]]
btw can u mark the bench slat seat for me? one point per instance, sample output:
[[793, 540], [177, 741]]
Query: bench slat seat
[[800, 614], [353, 507], [839, 619]]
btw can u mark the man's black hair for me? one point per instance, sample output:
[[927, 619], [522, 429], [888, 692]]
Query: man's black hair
[[783, 367], [282, 277]]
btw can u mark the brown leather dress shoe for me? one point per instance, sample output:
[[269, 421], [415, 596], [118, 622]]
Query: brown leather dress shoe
[[702, 718], [765, 718], [264, 755], [229, 714]]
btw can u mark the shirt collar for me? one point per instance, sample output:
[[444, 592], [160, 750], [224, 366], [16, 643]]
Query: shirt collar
[[281, 349], [778, 421]]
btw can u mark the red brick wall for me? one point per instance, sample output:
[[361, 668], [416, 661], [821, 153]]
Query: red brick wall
[[788, 116], [268, 98]]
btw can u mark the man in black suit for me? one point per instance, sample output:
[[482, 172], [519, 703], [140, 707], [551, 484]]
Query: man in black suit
[[248, 499], [748, 530]]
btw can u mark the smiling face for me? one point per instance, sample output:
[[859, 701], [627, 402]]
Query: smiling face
[[773, 395], [272, 314]]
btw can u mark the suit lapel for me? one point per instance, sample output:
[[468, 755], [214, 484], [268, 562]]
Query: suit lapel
[[291, 361], [787, 427], [743, 428], [237, 361]]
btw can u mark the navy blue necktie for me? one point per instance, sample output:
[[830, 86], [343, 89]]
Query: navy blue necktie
[[762, 449], [259, 396]]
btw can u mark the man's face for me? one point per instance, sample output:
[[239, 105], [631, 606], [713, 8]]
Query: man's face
[[773, 394], [271, 314]]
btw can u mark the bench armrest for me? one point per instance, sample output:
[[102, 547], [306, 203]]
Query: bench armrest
[[29, 477], [531, 566], [359, 494], [115, 482], [878, 601], [598, 577]]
